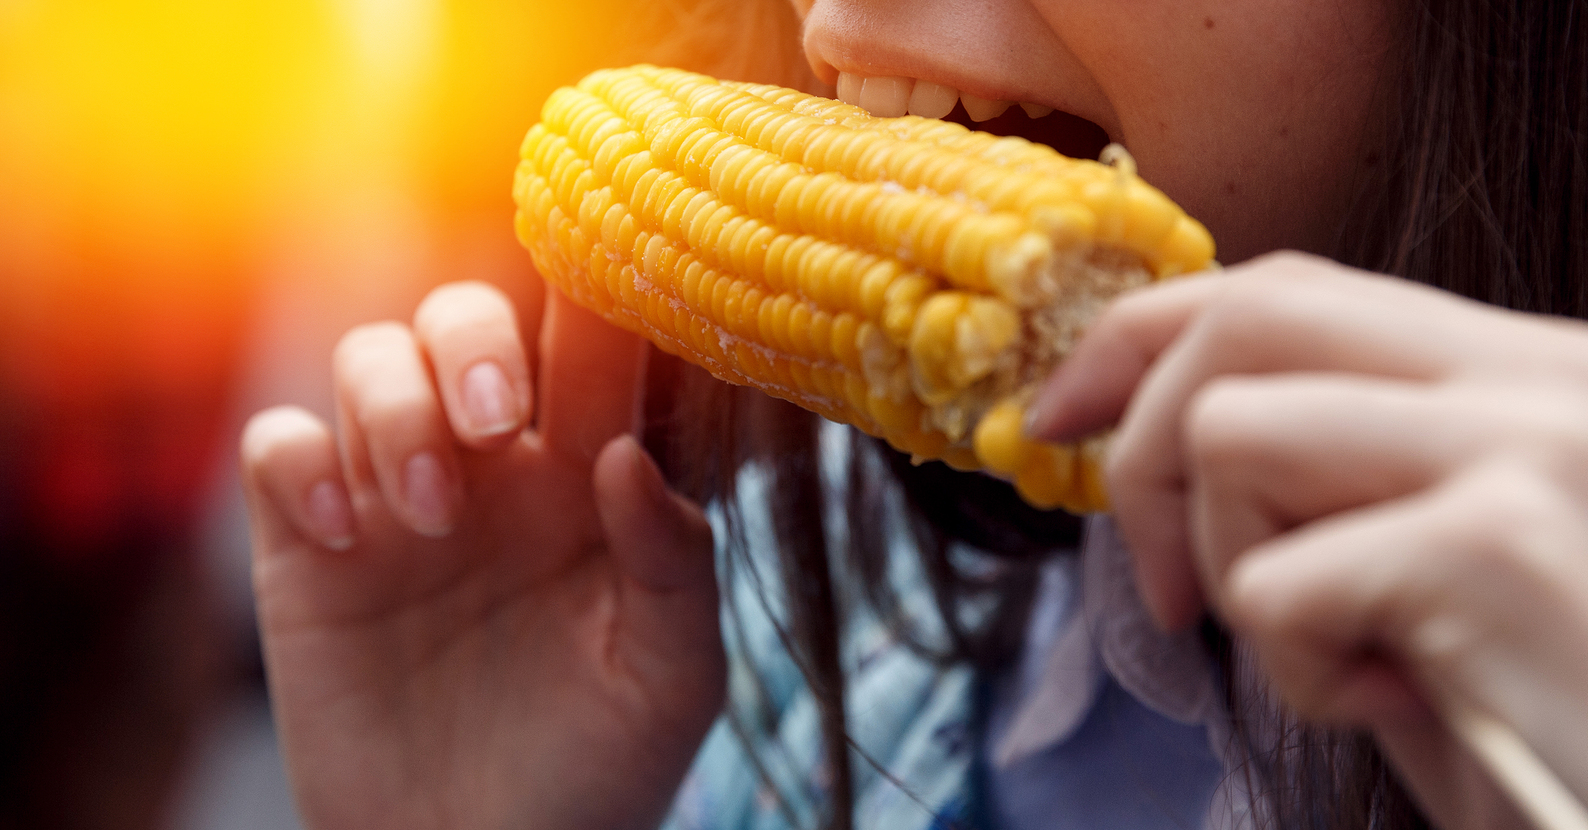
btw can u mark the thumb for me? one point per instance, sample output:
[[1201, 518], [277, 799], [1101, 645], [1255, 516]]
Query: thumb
[[661, 544]]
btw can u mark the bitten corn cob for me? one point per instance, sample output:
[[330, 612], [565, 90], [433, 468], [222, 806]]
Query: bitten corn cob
[[905, 275]]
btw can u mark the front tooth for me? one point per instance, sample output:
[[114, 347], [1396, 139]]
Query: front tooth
[[930, 100], [982, 109], [849, 88], [886, 96], [1036, 110]]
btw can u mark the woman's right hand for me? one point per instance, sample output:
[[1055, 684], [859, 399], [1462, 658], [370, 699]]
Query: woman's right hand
[[1380, 487], [480, 604]]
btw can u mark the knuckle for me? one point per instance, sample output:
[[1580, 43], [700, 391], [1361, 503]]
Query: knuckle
[[1442, 640], [1285, 265], [1270, 291], [1526, 426], [1241, 322], [381, 378], [1264, 606], [1499, 511], [368, 345], [386, 409], [1274, 262], [1553, 428], [1521, 541], [1508, 491], [460, 306], [271, 435], [1218, 424]]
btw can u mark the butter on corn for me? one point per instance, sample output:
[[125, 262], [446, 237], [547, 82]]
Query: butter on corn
[[908, 276]]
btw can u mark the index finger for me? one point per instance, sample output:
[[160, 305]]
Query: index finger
[[1090, 389], [1152, 352], [470, 334], [1282, 311]]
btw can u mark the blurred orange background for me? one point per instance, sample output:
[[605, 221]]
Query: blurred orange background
[[196, 198], [162, 161]]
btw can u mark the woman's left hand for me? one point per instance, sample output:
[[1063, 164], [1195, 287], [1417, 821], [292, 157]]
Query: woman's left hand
[[1382, 487]]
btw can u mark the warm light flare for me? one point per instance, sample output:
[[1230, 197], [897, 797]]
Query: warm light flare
[[163, 161]]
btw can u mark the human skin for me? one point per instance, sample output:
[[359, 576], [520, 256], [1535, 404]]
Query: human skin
[[1261, 118], [522, 622], [1256, 116], [1381, 487], [523, 634]]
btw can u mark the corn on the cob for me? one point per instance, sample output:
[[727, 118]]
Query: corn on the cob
[[908, 276]]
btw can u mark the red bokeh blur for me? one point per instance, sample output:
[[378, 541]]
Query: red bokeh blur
[[158, 156], [189, 190]]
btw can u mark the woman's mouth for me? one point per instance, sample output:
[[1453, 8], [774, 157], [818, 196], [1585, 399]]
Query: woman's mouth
[[892, 96]]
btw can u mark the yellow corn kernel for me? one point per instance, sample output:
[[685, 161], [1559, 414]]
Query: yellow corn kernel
[[999, 439], [1049, 478], [932, 345], [907, 276]]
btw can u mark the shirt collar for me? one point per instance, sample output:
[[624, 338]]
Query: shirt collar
[[1088, 618]]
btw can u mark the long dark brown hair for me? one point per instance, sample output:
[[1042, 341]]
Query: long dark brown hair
[[1482, 189], [1480, 186]]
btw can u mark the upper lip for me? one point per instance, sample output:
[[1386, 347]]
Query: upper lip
[[1011, 55], [829, 60], [997, 61]]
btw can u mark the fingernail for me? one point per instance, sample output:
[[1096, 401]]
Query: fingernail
[[330, 515], [426, 495], [488, 399]]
